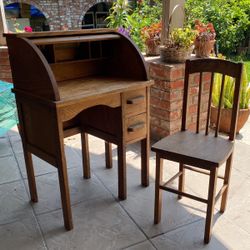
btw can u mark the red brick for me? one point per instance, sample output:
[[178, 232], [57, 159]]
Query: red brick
[[177, 84], [174, 115], [4, 61], [193, 90], [4, 53], [5, 68], [176, 95], [177, 73], [192, 109], [5, 74]]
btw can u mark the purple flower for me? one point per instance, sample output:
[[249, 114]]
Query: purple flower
[[124, 31]]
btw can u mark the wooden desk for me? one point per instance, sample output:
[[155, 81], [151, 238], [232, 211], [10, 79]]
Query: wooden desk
[[88, 82]]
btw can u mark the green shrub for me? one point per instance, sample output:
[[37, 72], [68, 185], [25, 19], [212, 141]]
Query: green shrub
[[230, 18], [144, 14]]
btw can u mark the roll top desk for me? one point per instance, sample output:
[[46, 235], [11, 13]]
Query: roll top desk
[[85, 81]]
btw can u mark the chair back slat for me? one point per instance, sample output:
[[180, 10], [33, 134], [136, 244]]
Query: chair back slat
[[199, 104], [203, 67], [220, 106], [185, 96], [209, 102]]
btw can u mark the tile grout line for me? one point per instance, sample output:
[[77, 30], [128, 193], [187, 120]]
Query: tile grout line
[[27, 192], [119, 202]]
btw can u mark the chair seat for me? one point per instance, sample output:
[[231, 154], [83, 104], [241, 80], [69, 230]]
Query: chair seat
[[194, 149]]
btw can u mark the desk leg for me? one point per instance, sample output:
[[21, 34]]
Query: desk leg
[[85, 155], [30, 175], [122, 177], [145, 162], [64, 188], [108, 154]]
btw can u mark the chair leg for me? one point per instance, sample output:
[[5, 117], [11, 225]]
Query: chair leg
[[226, 182], [158, 191], [145, 144], [122, 178], [85, 155], [181, 180], [210, 204], [64, 188], [30, 175], [108, 154]]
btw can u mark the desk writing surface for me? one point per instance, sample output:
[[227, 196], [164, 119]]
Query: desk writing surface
[[96, 86]]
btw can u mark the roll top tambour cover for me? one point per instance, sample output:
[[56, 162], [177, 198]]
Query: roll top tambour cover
[[40, 60]]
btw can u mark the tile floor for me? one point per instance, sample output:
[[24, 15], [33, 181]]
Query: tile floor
[[103, 222]]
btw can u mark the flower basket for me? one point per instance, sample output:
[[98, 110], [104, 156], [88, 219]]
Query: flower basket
[[175, 55], [203, 48], [152, 47]]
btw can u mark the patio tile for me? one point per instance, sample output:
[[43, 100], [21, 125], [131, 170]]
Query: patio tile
[[21, 235], [225, 236], [98, 224], [14, 202], [13, 132], [237, 210], [242, 158], [146, 245], [16, 144], [140, 206], [80, 190], [5, 147], [42, 167], [9, 170]]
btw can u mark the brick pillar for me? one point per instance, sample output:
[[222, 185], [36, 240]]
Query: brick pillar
[[5, 71], [167, 97]]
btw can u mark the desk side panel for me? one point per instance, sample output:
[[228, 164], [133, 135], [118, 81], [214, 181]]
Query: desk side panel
[[38, 128], [127, 60], [30, 69]]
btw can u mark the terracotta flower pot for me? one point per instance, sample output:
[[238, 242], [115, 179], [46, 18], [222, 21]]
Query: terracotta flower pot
[[226, 118], [152, 47], [203, 48]]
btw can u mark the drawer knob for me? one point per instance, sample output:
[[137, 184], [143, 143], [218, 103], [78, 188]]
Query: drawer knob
[[135, 127], [135, 100]]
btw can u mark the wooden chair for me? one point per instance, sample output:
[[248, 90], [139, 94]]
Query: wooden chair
[[201, 152]]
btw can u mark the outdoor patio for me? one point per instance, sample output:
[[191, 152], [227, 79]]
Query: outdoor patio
[[101, 221]]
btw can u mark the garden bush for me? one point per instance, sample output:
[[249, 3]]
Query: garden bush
[[144, 13], [230, 18]]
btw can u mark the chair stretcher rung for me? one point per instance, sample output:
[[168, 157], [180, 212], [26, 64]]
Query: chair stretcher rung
[[222, 190], [200, 171], [183, 194], [172, 179]]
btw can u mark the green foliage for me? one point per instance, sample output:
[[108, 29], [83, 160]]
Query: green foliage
[[118, 16], [143, 15], [230, 18], [229, 90]]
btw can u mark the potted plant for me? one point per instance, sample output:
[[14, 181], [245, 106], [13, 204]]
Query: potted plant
[[179, 46], [151, 36], [205, 39], [227, 104]]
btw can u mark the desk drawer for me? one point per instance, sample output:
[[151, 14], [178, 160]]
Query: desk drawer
[[135, 127], [135, 102]]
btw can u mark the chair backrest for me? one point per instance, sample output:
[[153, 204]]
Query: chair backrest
[[212, 66]]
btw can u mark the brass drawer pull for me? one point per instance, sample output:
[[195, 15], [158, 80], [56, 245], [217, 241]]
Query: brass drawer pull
[[136, 99], [136, 127]]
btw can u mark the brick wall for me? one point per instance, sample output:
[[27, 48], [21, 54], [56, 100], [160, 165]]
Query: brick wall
[[167, 96], [5, 71], [61, 13]]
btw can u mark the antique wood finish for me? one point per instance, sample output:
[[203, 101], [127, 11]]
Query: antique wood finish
[[199, 151], [70, 82]]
